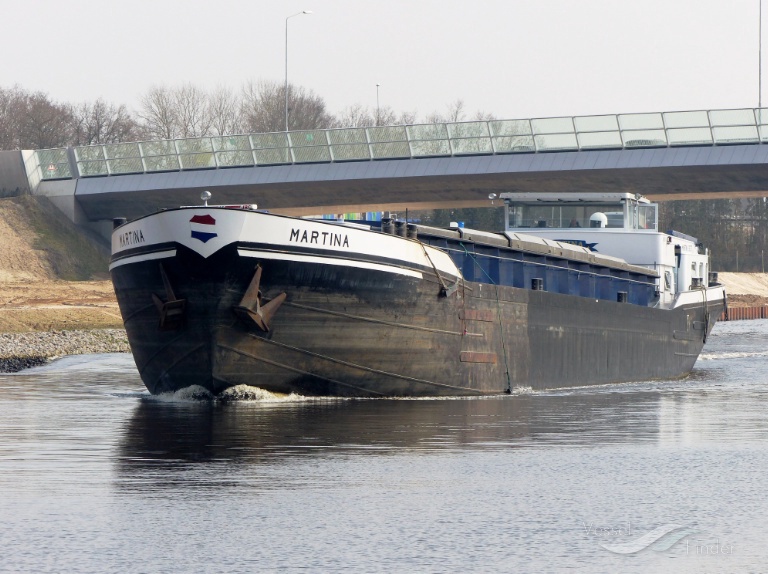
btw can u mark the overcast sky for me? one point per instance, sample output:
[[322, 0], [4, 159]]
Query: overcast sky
[[512, 58]]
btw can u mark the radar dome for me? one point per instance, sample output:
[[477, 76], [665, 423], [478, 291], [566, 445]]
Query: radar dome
[[598, 220]]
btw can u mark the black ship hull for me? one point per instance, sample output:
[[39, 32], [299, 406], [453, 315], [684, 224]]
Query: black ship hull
[[354, 331]]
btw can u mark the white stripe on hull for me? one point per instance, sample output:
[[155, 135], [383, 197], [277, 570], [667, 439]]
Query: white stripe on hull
[[329, 261], [144, 257]]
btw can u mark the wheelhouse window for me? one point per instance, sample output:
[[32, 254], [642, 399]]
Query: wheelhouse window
[[612, 211]]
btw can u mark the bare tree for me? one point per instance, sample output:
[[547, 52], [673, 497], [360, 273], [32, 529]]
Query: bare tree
[[12, 105], [264, 108], [484, 116], [159, 113], [102, 123], [224, 110], [45, 124], [192, 111], [455, 113], [406, 118], [32, 121], [358, 116]]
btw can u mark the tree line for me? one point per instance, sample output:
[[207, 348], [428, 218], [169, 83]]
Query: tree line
[[32, 120], [735, 230]]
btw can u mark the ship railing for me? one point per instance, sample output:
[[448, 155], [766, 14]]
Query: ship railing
[[492, 137]]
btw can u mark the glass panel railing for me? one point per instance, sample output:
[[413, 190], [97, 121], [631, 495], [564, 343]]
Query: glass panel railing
[[513, 144], [89, 153], [91, 161], [389, 142], [390, 150], [599, 140], [689, 136], [312, 154], [271, 149], [424, 132], [349, 144], [269, 141], [231, 143], [124, 158], [428, 140], [719, 118], [308, 138], [234, 158], [386, 134], [232, 151], [653, 121], [673, 120], [556, 142], [159, 156], [122, 151], [511, 136], [543, 126], [272, 156], [310, 146], [469, 146], [54, 164], [347, 136], [596, 123], [430, 148], [350, 152], [203, 160], [125, 165], [730, 135], [468, 130], [94, 168], [630, 131], [644, 138], [468, 138], [194, 145], [196, 153], [510, 127]]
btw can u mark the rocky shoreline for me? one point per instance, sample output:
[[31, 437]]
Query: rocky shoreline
[[20, 351]]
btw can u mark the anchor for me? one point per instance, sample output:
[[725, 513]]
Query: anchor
[[172, 311], [251, 311]]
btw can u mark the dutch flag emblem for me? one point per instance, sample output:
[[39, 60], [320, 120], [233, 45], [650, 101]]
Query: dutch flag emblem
[[202, 226]]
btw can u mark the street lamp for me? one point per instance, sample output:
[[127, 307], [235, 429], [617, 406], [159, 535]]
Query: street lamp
[[286, 62], [378, 115]]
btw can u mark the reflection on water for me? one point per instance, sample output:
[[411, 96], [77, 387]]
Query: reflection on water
[[103, 477]]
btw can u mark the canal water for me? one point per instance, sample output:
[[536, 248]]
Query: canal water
[[98, 476]]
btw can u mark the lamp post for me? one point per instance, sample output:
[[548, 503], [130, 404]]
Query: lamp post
[[378, 115], [286, 62]]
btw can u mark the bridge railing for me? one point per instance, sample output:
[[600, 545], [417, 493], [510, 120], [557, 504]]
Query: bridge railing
[[623, 131]]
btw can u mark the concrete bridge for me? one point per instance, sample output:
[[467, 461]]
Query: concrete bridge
[[665, 156]]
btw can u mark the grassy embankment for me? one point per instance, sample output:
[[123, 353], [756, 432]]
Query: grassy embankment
[[53, 275]]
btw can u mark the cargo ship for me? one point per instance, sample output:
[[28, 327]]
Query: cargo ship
[[577, 290]]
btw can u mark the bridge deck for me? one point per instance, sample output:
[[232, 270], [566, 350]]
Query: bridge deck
[[665, 155]]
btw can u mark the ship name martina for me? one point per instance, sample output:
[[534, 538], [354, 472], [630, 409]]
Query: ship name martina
[[131, 238], [319, 238]]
